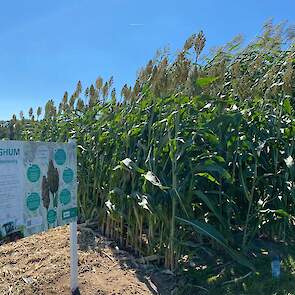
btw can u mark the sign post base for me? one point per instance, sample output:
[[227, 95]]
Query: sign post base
[[74, 256]]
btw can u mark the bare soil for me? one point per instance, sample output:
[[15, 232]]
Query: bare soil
[[40, 264]]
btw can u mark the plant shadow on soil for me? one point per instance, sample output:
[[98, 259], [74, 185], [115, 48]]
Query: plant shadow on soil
[[157, 280]]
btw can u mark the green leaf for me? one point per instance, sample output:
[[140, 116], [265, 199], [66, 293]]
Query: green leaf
[[210, 205], [211, 232], [282, 213], [287, 106], [206, 81], [211, 166], [209, 177]]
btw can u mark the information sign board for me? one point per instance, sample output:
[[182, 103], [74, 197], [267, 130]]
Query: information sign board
[[38, 186]]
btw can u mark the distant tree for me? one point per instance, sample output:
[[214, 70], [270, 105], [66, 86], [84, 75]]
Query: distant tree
[[12, 128]]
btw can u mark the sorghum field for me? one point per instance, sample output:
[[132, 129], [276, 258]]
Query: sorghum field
[[194, 164]]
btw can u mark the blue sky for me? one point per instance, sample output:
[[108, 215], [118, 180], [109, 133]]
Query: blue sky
[[47, 46]]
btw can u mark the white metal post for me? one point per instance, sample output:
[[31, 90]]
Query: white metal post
[[74, 249], [74, 256]]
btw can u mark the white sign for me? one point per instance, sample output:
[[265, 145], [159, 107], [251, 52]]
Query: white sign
[[38, 186]]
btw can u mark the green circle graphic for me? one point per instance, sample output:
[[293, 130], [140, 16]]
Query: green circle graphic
[[65, 197], [33, 173], [51, 216], [68, 175], [60, 157], [33, 201]]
